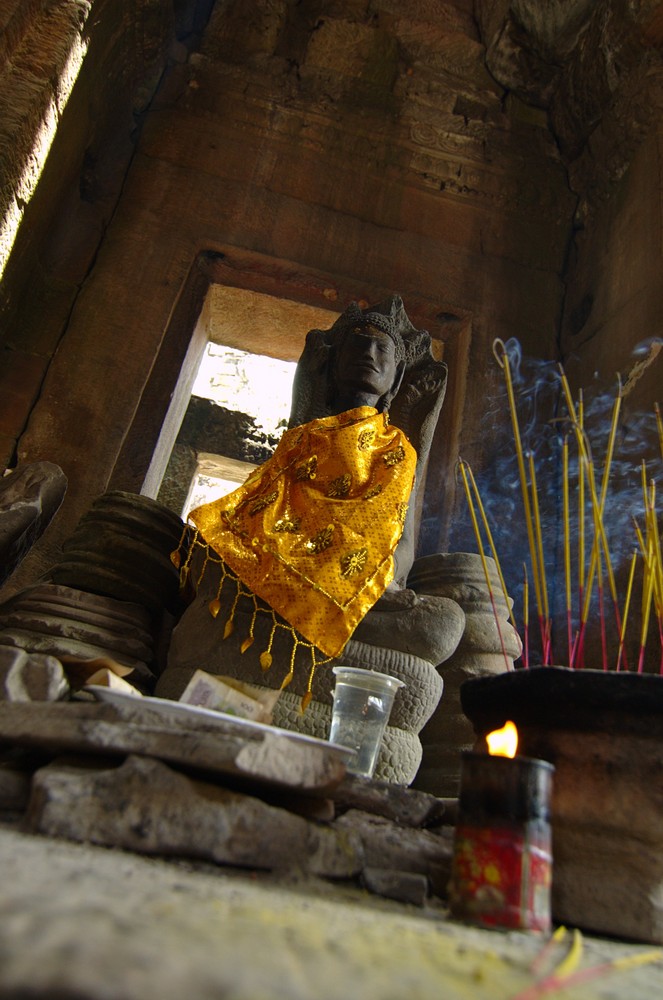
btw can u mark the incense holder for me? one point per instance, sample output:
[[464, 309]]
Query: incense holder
[[501, 869], [603, 731]]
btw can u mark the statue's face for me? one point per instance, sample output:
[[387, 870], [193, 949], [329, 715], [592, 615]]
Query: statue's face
[[366, 361]]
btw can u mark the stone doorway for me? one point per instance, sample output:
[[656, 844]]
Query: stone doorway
[[263, 305]]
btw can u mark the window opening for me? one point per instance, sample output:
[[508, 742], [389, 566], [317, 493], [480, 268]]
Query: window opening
[[257, 386]]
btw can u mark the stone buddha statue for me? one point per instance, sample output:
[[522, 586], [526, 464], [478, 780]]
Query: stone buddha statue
[[307, 562]]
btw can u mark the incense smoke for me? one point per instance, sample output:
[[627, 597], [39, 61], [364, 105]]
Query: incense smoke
[[544, 423]]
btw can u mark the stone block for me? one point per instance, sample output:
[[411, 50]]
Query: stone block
[[251, 755], [387, 845], [30, 677], [145, 806], [406, 887], [29, 499]]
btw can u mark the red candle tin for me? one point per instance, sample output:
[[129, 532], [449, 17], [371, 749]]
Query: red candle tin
[[502, 865]]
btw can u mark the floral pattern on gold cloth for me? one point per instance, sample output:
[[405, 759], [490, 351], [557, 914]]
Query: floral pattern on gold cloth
[[323, 577]]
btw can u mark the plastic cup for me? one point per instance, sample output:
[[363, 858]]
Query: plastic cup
[[362, 705]]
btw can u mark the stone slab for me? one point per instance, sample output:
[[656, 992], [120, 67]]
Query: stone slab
[[43, 623], [248, 753], [62, 646], [388, 846], [407, 887], [143, 805], [395, 802]]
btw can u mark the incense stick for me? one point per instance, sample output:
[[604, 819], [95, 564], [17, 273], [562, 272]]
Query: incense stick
[[503, 362], [581, 507], [475, 525], [629, 589], [599, 578], [526, 617], [544, 619], [493, 550], [567, 545], [600, 538]]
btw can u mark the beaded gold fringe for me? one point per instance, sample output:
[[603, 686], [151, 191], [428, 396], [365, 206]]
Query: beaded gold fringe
[[191, 541]]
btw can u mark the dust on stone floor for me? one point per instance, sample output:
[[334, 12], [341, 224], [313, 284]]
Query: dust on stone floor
[[83, 921]]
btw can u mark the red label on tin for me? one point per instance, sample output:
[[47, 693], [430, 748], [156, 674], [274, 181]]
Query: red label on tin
[[501, 876]]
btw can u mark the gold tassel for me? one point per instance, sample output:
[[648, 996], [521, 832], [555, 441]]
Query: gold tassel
[[266, 660], [306, 700], [175, 555], [214, 606], [286, 680]]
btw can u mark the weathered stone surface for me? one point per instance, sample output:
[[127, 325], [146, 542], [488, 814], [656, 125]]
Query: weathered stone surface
[[252, 754], [121, 548], [401, 805], [107, 923], [88, 633], [145, 806], [29, 498], [428, 627], [58, 646], [16, 768], [489, 645], [407, 887], [74, 624], [30, 677], [388, 845]]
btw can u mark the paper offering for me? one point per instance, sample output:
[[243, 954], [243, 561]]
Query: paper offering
[[226, 694]]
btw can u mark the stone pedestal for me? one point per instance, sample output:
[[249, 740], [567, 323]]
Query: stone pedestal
[[67, 623], [121, 549], [114, 592], [405, 632], [460, 576]]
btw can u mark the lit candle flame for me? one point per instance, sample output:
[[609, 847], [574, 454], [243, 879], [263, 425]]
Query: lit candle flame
[[503, 742]]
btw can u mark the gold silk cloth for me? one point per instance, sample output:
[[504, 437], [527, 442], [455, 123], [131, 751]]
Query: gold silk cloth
[[313, 530]]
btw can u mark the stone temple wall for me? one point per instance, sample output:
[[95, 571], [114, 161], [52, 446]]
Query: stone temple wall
[[321, 151]]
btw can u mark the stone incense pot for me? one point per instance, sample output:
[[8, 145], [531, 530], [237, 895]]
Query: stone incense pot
[[603, 731]]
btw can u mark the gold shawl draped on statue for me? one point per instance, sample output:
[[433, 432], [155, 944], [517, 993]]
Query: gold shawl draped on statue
[[313, 530]]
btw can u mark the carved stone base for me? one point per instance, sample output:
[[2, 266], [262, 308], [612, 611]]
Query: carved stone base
[[460, 576], [198, 643]]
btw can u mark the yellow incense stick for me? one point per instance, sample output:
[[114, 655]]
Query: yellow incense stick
[[539, 536], [597, 511], [503, 362], [581, 502], [646, 610], [475, 525], [526, 615], [616, 406], [567, 533], [654, 541], [493, 550], [627, 604]]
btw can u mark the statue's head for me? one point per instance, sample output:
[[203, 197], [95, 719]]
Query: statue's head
[[368, 358], [372, 353]]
